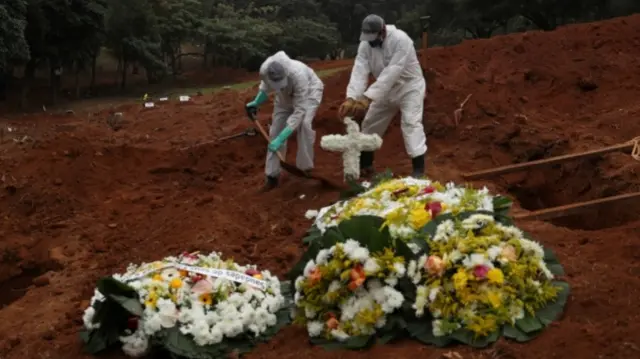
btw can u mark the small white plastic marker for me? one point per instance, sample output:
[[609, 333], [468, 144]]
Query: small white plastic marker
[[163, 99], [149, 104], [351, 145], [184, 98]]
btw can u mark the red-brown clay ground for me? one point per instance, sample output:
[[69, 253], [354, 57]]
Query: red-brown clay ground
[[83, 201]]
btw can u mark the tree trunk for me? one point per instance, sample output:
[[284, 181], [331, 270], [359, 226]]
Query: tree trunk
[[4, 83], [173, 62], [94, 63], [179, 53], [77, 80], [54, 79], [123, 73], [27, 80]]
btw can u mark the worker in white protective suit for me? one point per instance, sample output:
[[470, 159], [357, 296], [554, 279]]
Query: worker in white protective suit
[[389, 54], [298, 94]]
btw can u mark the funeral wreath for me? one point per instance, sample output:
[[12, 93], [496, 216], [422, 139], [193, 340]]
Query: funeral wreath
[[442, 263], [192, 305]]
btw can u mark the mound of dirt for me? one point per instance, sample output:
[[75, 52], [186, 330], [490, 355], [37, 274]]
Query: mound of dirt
[[82, 199]]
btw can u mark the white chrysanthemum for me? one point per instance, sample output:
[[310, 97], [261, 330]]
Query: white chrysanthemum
[[311, 214], [531, 247], [315, 328], [135, 345], [340, 335], [477, 259], [444, 231], [309, 267], [477, 221], [371, 266], [323, 256]]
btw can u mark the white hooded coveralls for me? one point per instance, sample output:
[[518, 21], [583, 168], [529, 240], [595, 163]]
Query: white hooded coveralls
[[399, 85], [295, 106]]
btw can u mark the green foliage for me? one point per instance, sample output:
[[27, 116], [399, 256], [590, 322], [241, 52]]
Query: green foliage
[[13, 45], [156, 34], [122, 302]]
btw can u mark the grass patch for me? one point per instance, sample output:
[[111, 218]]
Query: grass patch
[[236, 87]]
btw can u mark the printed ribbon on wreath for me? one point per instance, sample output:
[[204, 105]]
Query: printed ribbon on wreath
[[210, 272]]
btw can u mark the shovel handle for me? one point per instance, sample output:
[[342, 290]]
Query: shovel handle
[[266, 138]]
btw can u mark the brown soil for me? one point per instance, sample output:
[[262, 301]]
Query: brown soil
[[83, 201]]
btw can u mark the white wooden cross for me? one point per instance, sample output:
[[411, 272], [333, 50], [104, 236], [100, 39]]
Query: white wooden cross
[[351, 145]]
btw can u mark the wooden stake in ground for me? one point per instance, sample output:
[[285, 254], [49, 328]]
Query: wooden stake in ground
[[574, 208], [424, 22], [548, 161]]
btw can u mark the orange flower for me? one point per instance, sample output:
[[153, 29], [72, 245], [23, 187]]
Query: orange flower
[[509, 253], [315, 276], [434, 265], [357, 277], [332, 323]]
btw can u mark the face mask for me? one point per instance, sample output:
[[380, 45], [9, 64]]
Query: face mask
[[376, 43]]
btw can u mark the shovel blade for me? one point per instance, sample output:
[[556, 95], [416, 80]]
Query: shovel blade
[[328, 182]]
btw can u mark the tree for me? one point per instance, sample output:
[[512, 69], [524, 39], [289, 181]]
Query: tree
[[133, 36], [178, 21], [13, 45]]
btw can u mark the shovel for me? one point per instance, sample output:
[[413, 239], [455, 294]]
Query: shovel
[[293, 169], [246, 133]]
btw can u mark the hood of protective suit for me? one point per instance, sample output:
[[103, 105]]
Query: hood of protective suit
[[282, 58], [395, 66]]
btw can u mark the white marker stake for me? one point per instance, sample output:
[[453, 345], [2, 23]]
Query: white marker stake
[[164, 99], [149, 105], [184, 98]]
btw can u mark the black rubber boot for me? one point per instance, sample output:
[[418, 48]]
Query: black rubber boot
[[366, 164], [418, 167], [270, 183]]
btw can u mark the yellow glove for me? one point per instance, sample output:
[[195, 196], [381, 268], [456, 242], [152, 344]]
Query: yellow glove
[[346, 109], [360, 108]]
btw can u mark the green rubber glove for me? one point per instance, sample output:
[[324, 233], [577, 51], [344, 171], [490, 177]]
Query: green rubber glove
[[261, 97], [277, 142], [252, 107]]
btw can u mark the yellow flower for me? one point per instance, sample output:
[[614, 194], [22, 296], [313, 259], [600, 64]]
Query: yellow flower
[[495, 299], [483, 326], [157, 277], [418, 218], [460, 280], [496, 276], [394, 216], [152, 300], [183, 273], [257, 276], [206, 298], [176, 283]]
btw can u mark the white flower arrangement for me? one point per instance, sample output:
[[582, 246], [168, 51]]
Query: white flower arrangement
[[207, 298], [406, 204], [347, 291], [351, 145]]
